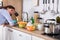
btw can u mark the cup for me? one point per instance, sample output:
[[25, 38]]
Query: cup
[[14, 21], [40, 27]]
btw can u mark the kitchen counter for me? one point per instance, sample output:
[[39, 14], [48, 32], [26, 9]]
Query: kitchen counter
[[34, 33]]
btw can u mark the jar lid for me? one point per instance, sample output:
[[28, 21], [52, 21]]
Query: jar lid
[[39, 18], [36, 12]]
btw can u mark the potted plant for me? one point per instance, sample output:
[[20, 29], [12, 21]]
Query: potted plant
[[58, 19]]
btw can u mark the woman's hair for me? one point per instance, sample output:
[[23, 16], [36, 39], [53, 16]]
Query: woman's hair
[[1, 7], [8, 6]]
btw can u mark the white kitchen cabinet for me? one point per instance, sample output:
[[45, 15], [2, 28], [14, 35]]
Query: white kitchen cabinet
[[18, 35], [37, 38], [1, 31], [12, 34]]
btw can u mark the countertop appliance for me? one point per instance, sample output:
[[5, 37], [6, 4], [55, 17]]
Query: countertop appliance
[[54, 34]]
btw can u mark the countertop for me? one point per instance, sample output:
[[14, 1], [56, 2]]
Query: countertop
[[36, 33]]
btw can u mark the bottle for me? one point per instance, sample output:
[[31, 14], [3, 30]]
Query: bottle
[[36, 15], [32, 20]]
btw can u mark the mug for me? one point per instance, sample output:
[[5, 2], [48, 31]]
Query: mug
[[40, 26]]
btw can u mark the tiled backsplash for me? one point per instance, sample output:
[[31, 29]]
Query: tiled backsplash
[[29, 7]]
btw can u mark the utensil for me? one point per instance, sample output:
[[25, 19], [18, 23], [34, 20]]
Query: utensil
[[52, 11], [44, 4], [43, 7], [48, 5], [57, 6]]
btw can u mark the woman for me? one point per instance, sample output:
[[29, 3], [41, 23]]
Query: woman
[[5, 14]]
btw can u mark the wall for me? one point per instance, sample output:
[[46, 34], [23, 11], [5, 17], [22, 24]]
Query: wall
[[18, 6], [29, 6], [0, 0]]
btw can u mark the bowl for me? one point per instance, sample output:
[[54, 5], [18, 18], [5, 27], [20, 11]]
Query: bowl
[[30, 28], [22, 24]]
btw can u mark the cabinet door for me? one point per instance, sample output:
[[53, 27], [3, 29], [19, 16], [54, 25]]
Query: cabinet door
[[21, 36], [1, 27], [37, 38], [4, 32], [9, 34], [17, 35]]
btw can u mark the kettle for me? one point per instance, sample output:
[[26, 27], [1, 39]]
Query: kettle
[[52, 26]]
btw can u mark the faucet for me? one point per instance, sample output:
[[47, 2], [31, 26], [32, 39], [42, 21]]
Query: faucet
[[26, 15]]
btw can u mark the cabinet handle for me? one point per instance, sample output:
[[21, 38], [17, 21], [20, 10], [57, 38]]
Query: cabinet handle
[[20, 35], [10, 30]]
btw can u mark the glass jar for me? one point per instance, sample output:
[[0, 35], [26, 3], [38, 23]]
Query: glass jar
[[36, 15], [41, 21]]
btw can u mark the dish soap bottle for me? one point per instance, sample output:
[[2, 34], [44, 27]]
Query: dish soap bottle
[[32, 20]]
